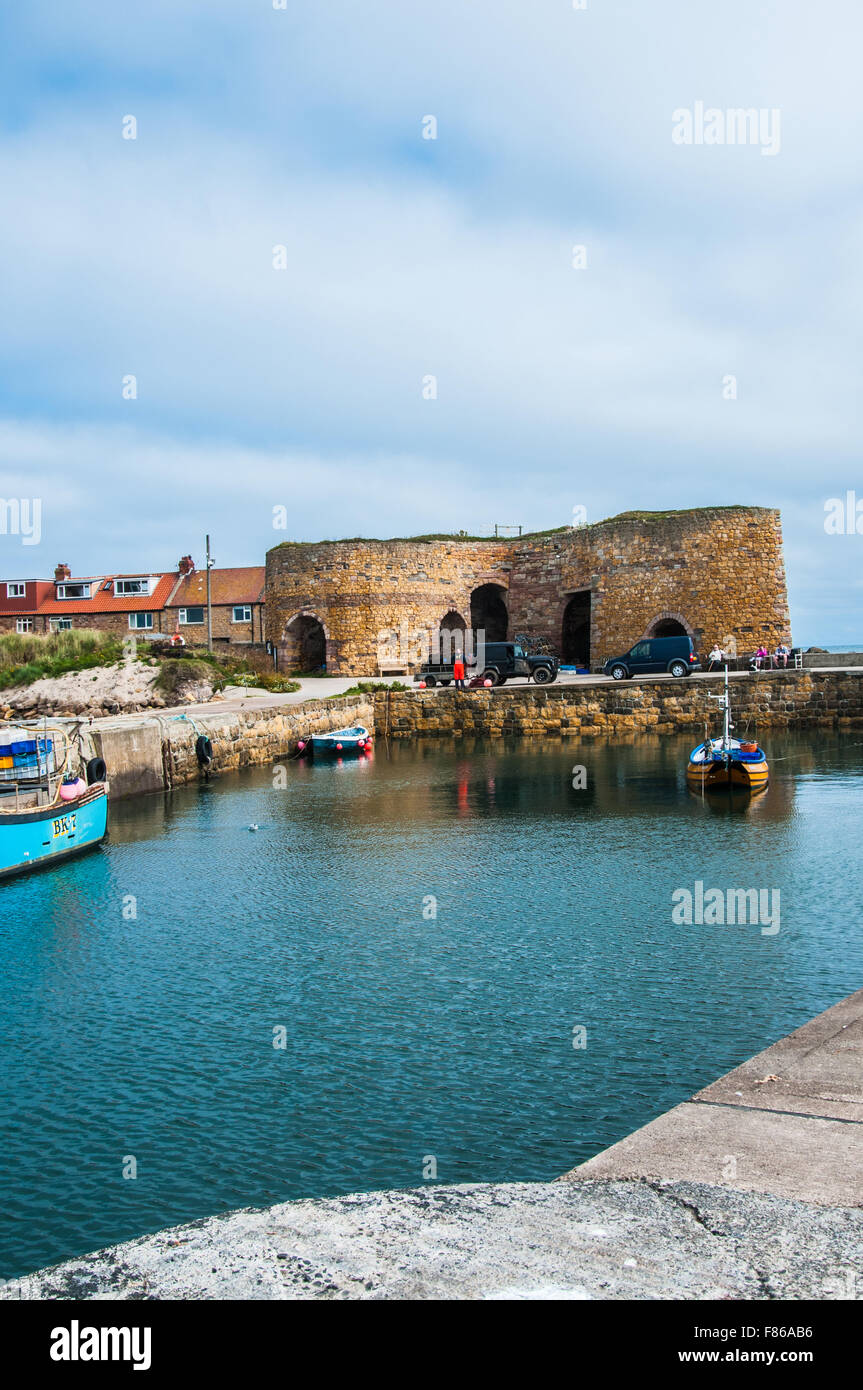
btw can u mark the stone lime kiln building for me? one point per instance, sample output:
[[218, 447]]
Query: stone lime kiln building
[[715, 573]]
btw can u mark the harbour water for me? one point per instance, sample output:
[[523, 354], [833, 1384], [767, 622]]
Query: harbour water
[[423, 936]]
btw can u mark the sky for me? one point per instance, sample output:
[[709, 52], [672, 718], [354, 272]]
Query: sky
[[427, 351]]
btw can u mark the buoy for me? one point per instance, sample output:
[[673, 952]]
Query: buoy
[[422, 685], [487, 685], [338, 745], [253, 827], [71, 789], [301, 745]]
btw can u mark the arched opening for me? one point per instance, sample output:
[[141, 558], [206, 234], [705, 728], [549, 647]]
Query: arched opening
[[667, 627], [304, 646], [575, 637], [451, 635], [488, 612]]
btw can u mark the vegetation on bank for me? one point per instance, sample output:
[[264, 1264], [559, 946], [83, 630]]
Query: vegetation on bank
[[369, 688], [27, 657]]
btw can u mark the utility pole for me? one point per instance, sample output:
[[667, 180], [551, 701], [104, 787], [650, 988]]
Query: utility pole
[[209, 602]]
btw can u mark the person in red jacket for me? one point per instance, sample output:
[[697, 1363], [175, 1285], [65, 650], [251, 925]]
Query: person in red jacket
[[458, 671]]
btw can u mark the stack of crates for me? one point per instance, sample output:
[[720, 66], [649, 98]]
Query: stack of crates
[[26, 759]]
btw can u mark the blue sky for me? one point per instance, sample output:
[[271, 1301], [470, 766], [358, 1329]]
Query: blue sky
[[556, 387]]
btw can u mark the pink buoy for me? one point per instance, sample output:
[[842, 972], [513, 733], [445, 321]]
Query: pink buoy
[[422, 685], [487, 685], [70, 791], [301, 745], [338, 745]]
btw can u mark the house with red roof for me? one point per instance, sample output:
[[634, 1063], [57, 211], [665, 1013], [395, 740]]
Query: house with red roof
[[19, 603], [146, 604], [236, 598]]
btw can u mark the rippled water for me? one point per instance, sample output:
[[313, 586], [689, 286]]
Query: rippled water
[[407, 1037]]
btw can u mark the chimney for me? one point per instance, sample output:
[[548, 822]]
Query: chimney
[[186, 565], [62, 572]]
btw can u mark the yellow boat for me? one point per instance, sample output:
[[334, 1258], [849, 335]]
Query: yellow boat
[[727, 764]]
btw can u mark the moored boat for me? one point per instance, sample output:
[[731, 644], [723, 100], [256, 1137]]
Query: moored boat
[[354, 740], [47, 812], [727, 764]]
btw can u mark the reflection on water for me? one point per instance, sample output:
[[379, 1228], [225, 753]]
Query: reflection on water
[[428, 927]]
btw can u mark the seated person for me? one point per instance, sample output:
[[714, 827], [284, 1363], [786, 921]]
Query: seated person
[[782, 654], [760, 657], [716, 657]]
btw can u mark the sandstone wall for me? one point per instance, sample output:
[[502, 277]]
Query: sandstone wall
[[718, 572], [798, 699]]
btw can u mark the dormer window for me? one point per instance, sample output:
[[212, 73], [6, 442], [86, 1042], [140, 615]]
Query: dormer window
[[128, 588], [16, 590], [73, 590]]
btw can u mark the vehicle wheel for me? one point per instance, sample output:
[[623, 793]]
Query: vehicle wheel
[[501, 680], [543, 674], [430, 681], [491, 675], [619, 673], [444, 682], [678, 668]]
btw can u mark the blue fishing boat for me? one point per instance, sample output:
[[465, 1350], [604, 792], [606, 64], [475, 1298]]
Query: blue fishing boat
[[47, 812], [726, 764], [354, 740]]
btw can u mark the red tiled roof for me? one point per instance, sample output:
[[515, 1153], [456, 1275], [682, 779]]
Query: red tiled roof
[[227, 586], [37, 591], [104, 600]]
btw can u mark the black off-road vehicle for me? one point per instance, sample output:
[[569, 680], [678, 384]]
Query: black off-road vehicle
[[502, 660]]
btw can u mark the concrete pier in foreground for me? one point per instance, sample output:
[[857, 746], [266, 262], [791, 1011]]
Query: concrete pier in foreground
[[751, 1190], [788, 1122]]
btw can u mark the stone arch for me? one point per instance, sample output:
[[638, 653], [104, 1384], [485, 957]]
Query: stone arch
[[575, 630], [304, 644], [451, 631], [669, 624], [488, 611]]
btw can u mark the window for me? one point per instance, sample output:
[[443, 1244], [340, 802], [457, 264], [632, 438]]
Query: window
[[191, 615], [641, 649], [23, 624], [16, 590], [139, 620], [60, 624], [242, 613], [73, 590], [132, 586]]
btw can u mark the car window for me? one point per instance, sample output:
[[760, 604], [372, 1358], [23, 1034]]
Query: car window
[[517, 651], [641, 649]]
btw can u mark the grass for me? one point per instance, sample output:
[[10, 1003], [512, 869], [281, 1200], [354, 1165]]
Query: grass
[[264, 680], [369, 688], [29, 656], [173, 675]]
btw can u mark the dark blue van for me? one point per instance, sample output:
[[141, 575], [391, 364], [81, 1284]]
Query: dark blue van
[[654, 656]]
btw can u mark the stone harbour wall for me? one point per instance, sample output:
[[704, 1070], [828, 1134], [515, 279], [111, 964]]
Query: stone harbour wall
[[798, 699], [156, 753]]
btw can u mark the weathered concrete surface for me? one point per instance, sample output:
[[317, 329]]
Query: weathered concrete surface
[[586, 1240], [789, 1121]]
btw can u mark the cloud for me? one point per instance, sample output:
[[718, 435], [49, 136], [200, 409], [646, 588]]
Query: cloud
[[407, 258]]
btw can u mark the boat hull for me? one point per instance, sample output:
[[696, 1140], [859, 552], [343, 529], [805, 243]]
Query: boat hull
[[728, 776], [34, 839], [341, 741]]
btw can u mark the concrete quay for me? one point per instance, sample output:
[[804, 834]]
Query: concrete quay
[[787, 1122], [661, 1215]]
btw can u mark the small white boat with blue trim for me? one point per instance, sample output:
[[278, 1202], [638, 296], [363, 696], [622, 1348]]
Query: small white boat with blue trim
[[727, 764], [354, 740], [47, 811]]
